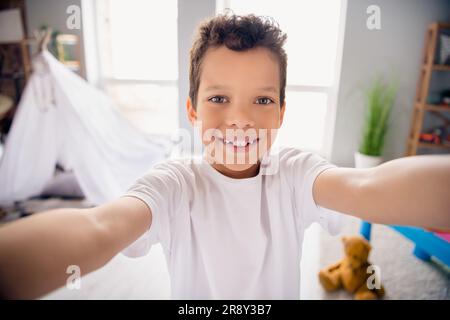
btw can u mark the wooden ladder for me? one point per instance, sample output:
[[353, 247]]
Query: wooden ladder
[[420, 104]]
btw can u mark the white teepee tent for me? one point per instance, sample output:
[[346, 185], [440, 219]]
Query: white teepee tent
[[62, 119]]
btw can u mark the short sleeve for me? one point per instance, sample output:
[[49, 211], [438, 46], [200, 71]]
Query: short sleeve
[[307, 167], [160, 190]]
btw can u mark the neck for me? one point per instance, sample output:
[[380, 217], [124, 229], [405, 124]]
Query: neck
[[247, 173]]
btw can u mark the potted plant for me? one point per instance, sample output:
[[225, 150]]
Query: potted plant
[[379, 102]]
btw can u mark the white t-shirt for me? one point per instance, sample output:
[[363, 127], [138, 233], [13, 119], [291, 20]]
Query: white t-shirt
[[226, 238]]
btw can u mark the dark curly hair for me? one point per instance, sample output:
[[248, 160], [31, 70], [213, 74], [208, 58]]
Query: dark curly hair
[[238, 33]]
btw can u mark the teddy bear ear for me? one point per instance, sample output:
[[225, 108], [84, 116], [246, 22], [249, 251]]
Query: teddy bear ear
[[344, 239], [368, 246]]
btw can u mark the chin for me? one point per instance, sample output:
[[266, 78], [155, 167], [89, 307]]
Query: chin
[[239, 167]]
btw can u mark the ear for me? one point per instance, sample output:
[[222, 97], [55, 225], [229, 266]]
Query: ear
[[344, 240], [368, 246], [191, 112]]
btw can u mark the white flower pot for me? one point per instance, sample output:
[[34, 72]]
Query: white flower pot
[[364, 161]]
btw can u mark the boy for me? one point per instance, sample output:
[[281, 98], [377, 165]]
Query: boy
[[231, 224]]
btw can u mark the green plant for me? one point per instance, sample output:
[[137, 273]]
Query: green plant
[[379, 102]]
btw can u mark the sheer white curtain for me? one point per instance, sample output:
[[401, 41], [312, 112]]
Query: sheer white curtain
[[137, 45]]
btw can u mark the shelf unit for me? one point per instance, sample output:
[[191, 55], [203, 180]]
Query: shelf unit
[[421, 106]]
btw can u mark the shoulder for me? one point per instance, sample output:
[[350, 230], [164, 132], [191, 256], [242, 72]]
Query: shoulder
[[295, 166], [177, 169], [291, 158], [167, 178]]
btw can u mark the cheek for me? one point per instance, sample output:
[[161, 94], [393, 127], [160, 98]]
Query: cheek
[[269, 119], [209, 121], [209, 116]]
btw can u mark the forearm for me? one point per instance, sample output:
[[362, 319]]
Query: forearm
[[409, 191], [36, 251]]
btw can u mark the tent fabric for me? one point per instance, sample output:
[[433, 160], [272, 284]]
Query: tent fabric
[[63, 119]]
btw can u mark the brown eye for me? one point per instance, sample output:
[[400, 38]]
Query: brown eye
[[264, 101], [217, 99]]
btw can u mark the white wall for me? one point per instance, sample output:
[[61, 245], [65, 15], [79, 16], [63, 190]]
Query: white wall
[[396, 51]]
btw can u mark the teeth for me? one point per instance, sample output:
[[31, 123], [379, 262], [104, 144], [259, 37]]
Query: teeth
[[239, 143]]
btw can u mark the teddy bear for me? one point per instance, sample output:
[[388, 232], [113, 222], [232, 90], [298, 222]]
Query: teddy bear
[[354, 272]]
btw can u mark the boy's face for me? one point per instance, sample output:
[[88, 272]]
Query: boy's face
[[238, 103]]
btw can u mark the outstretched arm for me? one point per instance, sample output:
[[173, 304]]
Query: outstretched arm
[[36, 251], [407, 191]]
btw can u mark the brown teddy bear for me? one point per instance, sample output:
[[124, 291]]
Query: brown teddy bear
[[353, 271]]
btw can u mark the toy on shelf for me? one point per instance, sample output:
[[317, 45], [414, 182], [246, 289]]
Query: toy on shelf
[[445, 98], [437, 136]]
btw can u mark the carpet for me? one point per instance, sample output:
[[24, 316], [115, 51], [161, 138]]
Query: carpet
[[403, 275]]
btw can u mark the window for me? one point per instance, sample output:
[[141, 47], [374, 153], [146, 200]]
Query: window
[[313, 29], [138, 54]]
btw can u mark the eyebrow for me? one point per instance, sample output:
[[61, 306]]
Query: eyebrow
[[219, 87]]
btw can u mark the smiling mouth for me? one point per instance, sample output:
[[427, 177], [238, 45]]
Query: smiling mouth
[[239, 144]]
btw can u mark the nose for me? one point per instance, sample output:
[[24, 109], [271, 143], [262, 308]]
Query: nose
[[239, 118]]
